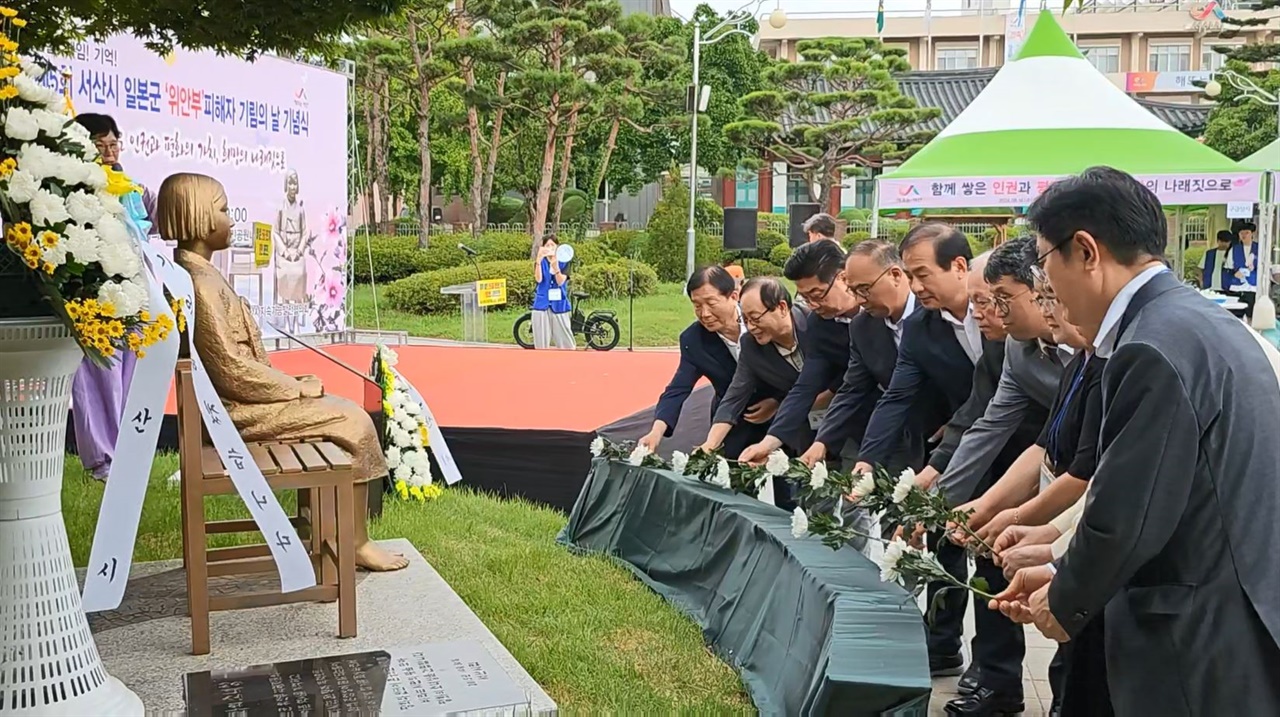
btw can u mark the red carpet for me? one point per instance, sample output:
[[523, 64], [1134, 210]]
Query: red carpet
[[503, 388]]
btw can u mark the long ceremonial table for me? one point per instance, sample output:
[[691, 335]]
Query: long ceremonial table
[[811, 630]]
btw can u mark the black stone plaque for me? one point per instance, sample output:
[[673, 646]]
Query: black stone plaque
[[320, 687], [453, 678]]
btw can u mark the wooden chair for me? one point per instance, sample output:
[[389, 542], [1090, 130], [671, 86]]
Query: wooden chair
[[321, 474]]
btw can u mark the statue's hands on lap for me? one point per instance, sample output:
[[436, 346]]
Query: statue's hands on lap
[[311, 387]]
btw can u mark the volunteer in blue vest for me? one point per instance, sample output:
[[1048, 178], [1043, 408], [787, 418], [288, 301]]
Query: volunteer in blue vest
[[1242, 264], [1213, 265], [551, 308]]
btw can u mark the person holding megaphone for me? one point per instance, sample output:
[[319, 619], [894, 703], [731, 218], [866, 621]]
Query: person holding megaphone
[[551, 307]]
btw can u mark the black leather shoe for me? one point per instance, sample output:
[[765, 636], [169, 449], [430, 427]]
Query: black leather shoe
[[946, 665], [985, 702], [968, 683]]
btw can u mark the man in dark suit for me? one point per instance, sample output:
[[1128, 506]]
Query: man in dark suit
[[1176, 542], [709, 349], [817, 269], [772, 352], [876, 277], [939, 348]]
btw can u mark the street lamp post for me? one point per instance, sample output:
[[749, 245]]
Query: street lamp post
[[1250, 90], [730, 25]]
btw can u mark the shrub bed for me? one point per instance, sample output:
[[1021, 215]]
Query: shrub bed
[[611, 280], [420, 293]]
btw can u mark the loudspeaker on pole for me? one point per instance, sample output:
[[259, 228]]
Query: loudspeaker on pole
[[799, 214], [741, 226]]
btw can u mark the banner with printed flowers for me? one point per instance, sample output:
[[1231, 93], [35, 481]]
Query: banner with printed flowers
[[64, 225], [405, 437]]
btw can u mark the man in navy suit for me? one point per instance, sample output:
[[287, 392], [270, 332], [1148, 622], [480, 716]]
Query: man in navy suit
[[876, 277], [818, 270], [709, 349]]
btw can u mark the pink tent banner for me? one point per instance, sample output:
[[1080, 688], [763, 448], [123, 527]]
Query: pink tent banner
[[956, 192]]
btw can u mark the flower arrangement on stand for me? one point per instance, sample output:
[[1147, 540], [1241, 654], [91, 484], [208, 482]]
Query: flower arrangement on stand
[[896, 499], [67, 249], [405, 437]]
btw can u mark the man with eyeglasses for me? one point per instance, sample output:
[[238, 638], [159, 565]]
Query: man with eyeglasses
[[1010, 423], [770, 358], [1175, 545], [817, 270], [875, 276]]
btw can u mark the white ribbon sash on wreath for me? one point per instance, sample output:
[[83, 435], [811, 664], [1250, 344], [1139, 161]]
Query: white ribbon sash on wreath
[[117, 530], [135, 449], [448, 467]]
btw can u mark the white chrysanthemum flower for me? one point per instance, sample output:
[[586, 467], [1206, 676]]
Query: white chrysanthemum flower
[[420, 461], [818, 475], [77, 132], [127, 298], [415, 439], [48, 209], [907, 474], [56, 255], [20, 124], [399, 437], [799, 523], [721, 478], [113, 231], [413, 408], [118, 260], [84, 208], [81, 243], [32, 91], [638, 455], [407, 423], [391, 357], [50, 123], [679, 462], [88, 173], [23, 186], [893, 553], [906, 482], [404, 473], [31, 68], [110, 203], [597, 446], [865, 486], [393, 458], [778, 464], [39, 161]]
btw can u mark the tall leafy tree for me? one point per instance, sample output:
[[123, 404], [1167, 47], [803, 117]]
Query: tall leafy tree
[[557, 43], [836, 109]]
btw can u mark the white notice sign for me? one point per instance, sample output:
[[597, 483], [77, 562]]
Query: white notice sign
[[1239, 210]]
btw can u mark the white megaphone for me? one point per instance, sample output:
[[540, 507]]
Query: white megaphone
[[564, 254]]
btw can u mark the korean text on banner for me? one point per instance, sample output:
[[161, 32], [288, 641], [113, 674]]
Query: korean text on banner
[[290, 554], [1171, 189], [448, 466], [111, 557], [272, 131], [491, 292]]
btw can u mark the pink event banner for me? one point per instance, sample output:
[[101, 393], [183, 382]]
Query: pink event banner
[[1172, 189], [273, 131]]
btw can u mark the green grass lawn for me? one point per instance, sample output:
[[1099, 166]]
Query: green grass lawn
[[594, 637], [658, 319]]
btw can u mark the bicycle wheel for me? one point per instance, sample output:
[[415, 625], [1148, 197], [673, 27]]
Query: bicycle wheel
[[602, 333], [523, 331]]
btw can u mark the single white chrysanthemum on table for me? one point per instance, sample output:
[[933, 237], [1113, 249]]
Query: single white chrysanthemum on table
[[597, 447], [638, 455], [865, 486], [679, 462], [721, 477], [906, 481], [778, 464], [799, 523], [818, 475], [893, 553]]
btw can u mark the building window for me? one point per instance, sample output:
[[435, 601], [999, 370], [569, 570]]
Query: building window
[[1171, 57], [1210, 60], [798, 189], [957, 58], [1104, 57]]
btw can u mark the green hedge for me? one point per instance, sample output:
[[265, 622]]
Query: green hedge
[[852, 239], [588, 252], [1191, 264], [611, 280], [420, 293], [398, 257], [779, 254], [625, 242]]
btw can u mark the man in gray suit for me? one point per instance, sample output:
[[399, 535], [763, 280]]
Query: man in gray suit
[[1177, 540]]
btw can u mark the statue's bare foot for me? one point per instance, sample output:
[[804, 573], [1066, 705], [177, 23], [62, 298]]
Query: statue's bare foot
[[376, 559]]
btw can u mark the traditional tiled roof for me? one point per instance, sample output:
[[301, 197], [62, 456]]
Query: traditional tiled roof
[[952, 90]]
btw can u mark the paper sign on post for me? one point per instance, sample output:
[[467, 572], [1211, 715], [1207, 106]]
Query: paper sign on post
[[1239, 210], [491, 292], [261, 244]]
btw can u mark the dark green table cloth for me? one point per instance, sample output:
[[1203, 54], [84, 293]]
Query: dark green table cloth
[[812, 631]]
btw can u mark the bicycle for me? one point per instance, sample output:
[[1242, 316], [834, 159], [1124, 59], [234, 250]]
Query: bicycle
[[599, 329]]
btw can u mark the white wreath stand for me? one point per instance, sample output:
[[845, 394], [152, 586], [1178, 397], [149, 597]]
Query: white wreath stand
[[49, 664]]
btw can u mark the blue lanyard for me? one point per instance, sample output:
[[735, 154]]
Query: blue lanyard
[[1055, 426]]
